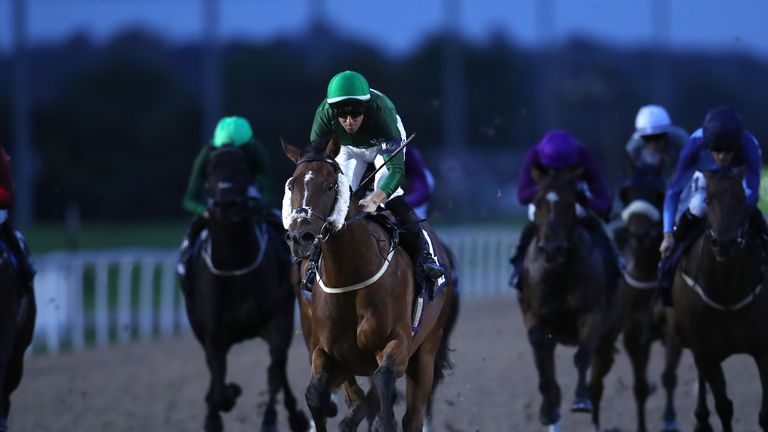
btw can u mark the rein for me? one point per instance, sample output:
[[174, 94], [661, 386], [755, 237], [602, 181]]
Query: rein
[[638, 284], [261, 234], [312, 275]]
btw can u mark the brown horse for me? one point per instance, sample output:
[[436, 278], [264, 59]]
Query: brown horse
[[17, 323], [359, 319], [719, 306], [566, 297], [638, 241]]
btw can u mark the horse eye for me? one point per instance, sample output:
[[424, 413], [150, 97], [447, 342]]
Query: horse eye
[[289, 185], [332, 186]]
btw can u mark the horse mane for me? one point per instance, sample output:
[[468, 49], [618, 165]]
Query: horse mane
[[327, 147]]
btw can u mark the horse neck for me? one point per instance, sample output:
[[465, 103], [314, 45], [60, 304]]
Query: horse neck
[[644, 261], [728, 281], [233, 244], [345, 251]]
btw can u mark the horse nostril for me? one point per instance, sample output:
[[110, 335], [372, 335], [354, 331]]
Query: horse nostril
[[289, 238], [308, 237]]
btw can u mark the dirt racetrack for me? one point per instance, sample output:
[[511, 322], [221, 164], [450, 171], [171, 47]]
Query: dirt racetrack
[[160, 386]]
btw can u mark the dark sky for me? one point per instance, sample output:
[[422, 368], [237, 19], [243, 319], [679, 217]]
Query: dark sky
[[399, 25]]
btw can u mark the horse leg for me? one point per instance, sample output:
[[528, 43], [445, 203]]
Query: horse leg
[[392, 362], [420, 376], [581, 359], [372, 405], [672, 352], [543, 354], [220, 397], [356, 404], [318, 394], [702, 412], [279, 339], [638, 355], [602, 361], [8, 384], [713, 374], [762, 367]]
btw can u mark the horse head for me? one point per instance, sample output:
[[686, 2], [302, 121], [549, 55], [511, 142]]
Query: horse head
[[556, 216], [317, 196], [228, 181], [726, 218], [642, 197]]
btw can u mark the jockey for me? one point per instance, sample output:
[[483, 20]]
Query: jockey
[[12, 238], [419, 183], [229, 131], [369, 129], [656, 141], [720, 142], [558, 150]]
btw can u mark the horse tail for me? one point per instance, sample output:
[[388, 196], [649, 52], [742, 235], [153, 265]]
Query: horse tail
[[442, 359]]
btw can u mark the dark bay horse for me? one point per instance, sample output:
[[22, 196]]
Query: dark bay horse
[[240, 288], [17, 323], [566, 297], [638, 241], [720, 308], [359, 319]]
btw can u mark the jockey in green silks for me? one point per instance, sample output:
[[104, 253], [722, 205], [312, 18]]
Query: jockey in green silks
[[235, 131]]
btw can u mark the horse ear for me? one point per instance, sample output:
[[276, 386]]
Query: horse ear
[[333, 147], [292, 152], [537, 175]]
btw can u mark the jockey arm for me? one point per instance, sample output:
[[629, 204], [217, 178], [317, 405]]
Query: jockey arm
[[526, 187], [6, 181], [419, 192], [753, 161], [192, 198], [601, 198], [686, 166], [258, 159]]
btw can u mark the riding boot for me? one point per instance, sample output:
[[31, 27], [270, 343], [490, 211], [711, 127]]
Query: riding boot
[[188, 245], [688, 225], [413, 237], [526, 236], [18, 247]]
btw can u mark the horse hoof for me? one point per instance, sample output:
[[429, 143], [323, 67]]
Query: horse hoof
[[213, 424], [299, 422], [555, 427], [269, 428], [231, 393], [703, 428], [3, 424], [332, 410], [581, 405], [387, 425], [671, 426]]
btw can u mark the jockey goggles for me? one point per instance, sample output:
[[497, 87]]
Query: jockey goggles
[[348, 110]]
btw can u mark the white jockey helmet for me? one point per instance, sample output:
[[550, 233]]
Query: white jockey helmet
[[652, 120]]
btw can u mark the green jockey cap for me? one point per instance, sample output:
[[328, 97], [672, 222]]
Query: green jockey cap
[[232, 130], [348, 85]]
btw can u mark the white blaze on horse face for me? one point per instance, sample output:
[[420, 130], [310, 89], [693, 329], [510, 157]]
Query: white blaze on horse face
[[307, 179], [552, 197]]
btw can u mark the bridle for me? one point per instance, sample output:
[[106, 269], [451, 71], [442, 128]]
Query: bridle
[[326, 230]]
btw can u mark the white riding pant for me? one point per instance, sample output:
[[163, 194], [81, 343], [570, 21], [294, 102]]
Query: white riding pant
[[354, 161], [698, 194]]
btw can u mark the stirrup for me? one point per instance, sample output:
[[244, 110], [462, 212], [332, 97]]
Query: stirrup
[[432, 270]]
